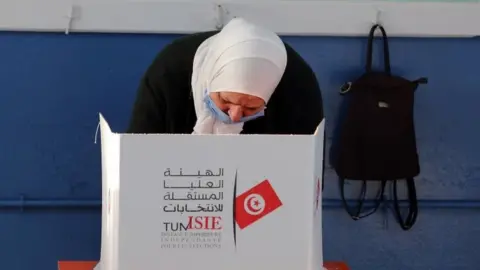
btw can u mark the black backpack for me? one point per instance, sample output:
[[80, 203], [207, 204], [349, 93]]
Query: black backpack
[[376, 136]]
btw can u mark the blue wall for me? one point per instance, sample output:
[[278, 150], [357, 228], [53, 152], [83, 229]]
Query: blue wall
[[53, 86]]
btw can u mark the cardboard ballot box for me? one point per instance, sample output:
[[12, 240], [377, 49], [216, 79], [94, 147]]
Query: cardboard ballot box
[[216, 202]]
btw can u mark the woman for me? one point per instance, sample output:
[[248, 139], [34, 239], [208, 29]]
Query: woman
[[243, 79]]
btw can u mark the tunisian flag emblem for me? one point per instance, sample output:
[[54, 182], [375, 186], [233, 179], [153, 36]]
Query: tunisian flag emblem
[[256, 203]]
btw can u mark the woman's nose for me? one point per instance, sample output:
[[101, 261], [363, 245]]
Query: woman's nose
[[235, 113]]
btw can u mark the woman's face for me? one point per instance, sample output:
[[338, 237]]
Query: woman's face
[[237, 105]]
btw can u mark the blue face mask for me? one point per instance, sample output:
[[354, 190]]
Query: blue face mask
[[222, 116]]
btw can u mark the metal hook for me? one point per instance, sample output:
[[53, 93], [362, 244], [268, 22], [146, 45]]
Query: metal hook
[[378, 15], [69, 17], [222, 16], [219, 16]]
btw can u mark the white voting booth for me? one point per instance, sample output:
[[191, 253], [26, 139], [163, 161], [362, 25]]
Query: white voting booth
[[216, 202]]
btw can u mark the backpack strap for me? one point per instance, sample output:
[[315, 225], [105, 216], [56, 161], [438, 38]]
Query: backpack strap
[[413, 205], [422, 80], [359, 213], [386, 53]]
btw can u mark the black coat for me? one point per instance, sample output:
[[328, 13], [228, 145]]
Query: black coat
[[164, 103]]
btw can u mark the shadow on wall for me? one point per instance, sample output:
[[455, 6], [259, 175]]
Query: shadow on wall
[[53, 86]]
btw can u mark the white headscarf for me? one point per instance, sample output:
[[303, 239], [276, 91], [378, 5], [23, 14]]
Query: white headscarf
[[242, 58]]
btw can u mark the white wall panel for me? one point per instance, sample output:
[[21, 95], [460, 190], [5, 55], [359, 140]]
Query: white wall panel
[[315, 17]]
